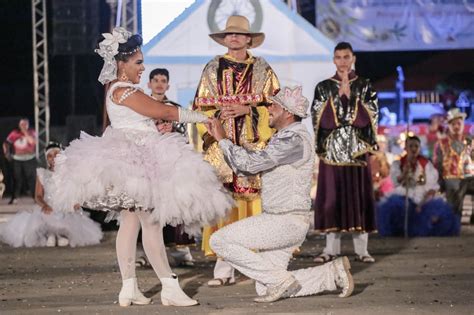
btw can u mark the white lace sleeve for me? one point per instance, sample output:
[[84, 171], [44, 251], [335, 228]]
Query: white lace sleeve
[[189, 116]]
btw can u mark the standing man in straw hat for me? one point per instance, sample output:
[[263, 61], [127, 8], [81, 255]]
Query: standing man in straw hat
[[234, 88], [261, 246], [449, 154]]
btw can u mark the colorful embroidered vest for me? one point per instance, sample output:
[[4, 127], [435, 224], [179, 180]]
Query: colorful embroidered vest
[[452, 161]]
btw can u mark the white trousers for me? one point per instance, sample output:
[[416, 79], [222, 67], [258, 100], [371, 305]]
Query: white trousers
[[261, 247], [333, 244], [223, 269]]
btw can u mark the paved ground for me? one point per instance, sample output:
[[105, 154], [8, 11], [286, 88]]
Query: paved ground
[[416, 276]]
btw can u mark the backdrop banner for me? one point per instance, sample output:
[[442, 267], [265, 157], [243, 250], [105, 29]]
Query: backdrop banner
[[378, 25]]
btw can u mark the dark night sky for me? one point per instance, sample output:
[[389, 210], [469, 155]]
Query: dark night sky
[[16, 81], [16, 88], [16, 85]]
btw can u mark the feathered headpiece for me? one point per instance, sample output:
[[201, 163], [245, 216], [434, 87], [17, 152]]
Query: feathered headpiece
[[108, 48], [292, 100]]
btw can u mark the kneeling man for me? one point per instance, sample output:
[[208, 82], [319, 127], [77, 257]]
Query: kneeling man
[[261, 246]]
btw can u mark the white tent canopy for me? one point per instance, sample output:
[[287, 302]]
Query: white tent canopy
[[296, 50]]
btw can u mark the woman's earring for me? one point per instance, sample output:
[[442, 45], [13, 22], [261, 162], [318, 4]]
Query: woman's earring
[[123, 77]]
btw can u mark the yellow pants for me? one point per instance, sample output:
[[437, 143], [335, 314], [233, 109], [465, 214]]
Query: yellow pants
[[243, 210]]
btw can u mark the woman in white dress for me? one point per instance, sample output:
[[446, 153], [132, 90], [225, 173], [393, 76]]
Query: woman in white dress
[[44, 226], [148, 178], [428, 213]]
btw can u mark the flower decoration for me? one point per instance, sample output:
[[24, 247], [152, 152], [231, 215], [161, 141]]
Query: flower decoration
[[292, 100], [108, 48]]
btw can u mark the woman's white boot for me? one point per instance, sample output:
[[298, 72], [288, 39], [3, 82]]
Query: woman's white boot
[[172, 294], [130, 294], [51, 241]]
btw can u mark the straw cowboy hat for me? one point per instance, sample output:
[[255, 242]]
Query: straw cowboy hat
[[240, 25], [455, 113]]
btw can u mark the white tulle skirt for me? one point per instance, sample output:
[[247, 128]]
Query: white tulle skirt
[[31, 228], [140, 170]]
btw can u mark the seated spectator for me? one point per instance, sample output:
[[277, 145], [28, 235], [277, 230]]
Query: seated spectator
[[380, 168], [435, 132], [465, 194], [384, 148], [42, 225], [468, 159], [428, 215]]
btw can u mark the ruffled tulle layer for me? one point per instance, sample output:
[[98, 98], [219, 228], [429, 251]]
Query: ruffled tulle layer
[[435, 218], [31, 228], [126, 169]]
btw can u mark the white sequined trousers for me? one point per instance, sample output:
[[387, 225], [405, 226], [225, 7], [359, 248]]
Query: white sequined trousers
[[261, 247]]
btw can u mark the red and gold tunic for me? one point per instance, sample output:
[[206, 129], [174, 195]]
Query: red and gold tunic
[[226, 81], [448, 157]]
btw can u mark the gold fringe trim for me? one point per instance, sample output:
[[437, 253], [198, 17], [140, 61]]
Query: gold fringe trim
[[246, 196], [361, 164], [339, 230]]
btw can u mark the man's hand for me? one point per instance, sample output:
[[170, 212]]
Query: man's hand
[[24, 130], [430, 194], [77, 206], [7, 151], [215, 129], [164, 127], [46, 209], [28, 137], [208, 140], [233, 111], [403, 177], [345, 88]]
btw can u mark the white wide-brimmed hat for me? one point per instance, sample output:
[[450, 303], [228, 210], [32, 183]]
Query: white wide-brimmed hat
[[292, 100], [455, 113], [240, 25]]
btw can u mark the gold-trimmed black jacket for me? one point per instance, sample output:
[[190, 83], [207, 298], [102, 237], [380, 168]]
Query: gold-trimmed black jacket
[[345, 128]]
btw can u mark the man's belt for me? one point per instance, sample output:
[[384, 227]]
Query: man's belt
[[229, 100]]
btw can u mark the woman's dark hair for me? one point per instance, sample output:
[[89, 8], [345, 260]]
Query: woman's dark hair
[[126, 50], [53, 145], [413, 138], [298, 118]]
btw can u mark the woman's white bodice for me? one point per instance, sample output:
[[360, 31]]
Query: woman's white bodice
[[123, 117], [418, 192], [44, 176]]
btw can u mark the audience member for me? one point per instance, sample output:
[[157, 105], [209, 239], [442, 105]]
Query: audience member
[[449, 154], [428, 215], [20, 148]]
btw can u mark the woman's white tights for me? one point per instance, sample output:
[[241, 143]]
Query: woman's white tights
[[152, 237]]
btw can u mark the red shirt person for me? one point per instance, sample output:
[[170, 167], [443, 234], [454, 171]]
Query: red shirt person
[[20, 148]]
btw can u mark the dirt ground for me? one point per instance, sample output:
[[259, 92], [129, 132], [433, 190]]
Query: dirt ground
[[413, 276]]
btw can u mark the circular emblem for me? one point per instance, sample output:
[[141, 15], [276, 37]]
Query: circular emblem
[[220, 10]]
